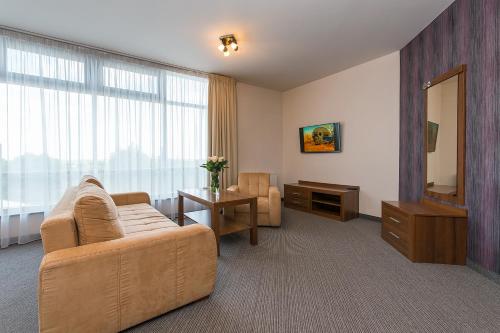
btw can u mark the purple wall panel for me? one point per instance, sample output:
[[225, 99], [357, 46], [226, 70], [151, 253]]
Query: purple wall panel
[[467, 32]]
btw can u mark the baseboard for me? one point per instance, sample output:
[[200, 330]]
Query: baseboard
[[483, 271], [370, 217]]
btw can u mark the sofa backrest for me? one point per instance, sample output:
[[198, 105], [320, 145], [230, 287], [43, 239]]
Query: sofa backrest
[[256, 183]]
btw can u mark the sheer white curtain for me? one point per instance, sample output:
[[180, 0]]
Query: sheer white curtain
[[66, 111]]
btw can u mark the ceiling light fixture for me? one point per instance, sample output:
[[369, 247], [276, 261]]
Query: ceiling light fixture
[[226, 41]]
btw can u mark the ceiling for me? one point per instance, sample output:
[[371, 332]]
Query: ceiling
[[283, 43]]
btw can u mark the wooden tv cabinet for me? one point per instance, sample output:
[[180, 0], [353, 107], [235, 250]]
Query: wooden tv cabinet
[[338, 202]]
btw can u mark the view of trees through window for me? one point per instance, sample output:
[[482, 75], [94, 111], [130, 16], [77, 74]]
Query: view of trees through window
[[66, 112]]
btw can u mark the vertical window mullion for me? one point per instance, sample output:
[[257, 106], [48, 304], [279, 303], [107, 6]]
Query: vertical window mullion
[[3, 59], [3, 173], [93, 80]]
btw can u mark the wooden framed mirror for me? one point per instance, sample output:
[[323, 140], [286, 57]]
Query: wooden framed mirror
[[444, 137]]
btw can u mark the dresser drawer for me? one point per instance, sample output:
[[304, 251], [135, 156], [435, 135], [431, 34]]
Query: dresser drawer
[[426, 231], [395, 218], [395, 237], [296, 193], [296, 197], [292, 202]]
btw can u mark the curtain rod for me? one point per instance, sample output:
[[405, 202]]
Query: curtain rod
[[123, 54]]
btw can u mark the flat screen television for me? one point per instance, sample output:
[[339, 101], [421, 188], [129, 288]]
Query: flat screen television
[[324, 138], [432, 134]]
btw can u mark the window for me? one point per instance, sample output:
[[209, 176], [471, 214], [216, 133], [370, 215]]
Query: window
[[35, 64], [130, 80], [66, 111]]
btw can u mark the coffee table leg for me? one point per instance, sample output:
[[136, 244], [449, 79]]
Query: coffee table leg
[[253, 222], [214, 221], [180, 210]]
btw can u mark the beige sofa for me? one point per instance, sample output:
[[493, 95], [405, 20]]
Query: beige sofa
[[148, 266], [268, 198]]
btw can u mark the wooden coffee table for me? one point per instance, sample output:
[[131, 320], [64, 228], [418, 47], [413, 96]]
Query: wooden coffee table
[[220, 224]]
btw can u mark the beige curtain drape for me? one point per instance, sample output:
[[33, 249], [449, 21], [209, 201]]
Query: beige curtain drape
[[222, 126]]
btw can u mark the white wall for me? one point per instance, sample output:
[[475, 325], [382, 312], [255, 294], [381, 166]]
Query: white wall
[[259, 130], [365, 99]]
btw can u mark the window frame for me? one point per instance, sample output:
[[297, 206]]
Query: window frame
[[93, 85], [88, 86]]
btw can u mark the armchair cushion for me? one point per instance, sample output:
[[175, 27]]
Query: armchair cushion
[[274, 206], [268, 198], [96, 215], [254, 183], [262, 206]]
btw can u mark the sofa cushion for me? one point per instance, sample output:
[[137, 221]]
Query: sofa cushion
[[262, 206], [96, 215], [91, 180], [142, 218]]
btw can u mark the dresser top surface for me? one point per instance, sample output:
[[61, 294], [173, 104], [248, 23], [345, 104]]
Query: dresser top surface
[[325, 186], [423, 209]]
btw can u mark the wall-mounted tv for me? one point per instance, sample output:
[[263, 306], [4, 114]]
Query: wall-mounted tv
[[324, 138]]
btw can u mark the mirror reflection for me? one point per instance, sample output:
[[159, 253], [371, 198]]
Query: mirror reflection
[[442, 137]]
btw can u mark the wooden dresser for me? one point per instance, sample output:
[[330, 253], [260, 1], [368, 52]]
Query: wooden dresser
[[339, 202], [426, 231]]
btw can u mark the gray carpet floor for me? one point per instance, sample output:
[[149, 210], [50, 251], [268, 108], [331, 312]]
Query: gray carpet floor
[[310, 275]]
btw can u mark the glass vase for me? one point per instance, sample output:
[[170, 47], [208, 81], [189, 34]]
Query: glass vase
[[214, 182]]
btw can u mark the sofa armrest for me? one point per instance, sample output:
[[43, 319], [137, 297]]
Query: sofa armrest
[[59, 232], [113, 285], [130, 198], [274, 206]]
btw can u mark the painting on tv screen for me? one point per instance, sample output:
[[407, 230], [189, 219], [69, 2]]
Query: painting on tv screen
[[324, 138]]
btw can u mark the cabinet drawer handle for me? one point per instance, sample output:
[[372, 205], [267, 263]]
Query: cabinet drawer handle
[[394, 220], [296, 194], [393, 235]]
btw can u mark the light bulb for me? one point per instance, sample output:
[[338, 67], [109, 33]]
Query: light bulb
[[234, 46], [226, 53], [221, 47]]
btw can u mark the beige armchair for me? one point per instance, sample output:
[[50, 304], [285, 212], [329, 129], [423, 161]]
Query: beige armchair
[[268, 198], [148, 267]]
